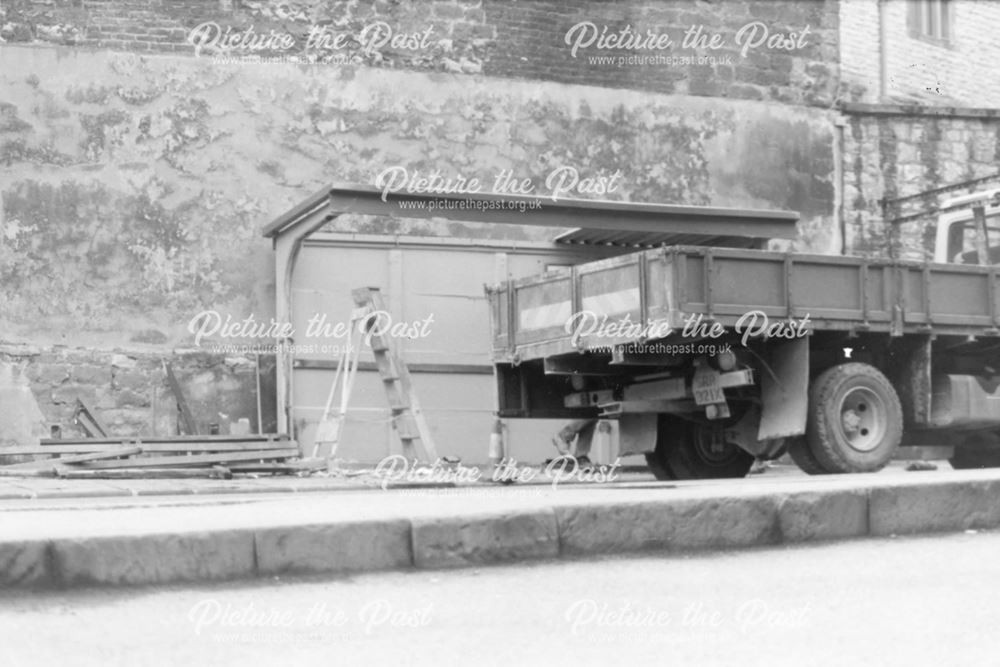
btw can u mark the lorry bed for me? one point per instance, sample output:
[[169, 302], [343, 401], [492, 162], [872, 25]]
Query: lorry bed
[[659, 290]]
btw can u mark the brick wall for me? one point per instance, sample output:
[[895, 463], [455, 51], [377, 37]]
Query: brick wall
[[525, 39], [961, 72], [531, 43]]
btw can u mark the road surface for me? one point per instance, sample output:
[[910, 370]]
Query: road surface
[[914, 601]]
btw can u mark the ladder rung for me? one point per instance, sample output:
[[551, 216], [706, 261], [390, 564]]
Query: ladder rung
[[395, 394], [378, 343], [386, 367], [405, 428]]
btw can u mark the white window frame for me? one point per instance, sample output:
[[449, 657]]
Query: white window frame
[[932, 20]]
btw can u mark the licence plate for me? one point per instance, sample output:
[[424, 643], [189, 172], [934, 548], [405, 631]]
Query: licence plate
[[706, 387]]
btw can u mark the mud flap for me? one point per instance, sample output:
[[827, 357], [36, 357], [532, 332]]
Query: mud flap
[[744, 435], [637, 433], [911, 359], [785, 389]]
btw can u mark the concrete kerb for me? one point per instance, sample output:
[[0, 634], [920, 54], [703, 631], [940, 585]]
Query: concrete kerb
[[153, 559], [717, 518], [948, 505], [334, 548], [440, 542], [24, 564]]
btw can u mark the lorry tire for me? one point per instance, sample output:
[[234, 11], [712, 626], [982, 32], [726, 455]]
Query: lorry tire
[[803, 457], [659, 472], [965, 459], [855, 419], [690, 450], [978, 451]]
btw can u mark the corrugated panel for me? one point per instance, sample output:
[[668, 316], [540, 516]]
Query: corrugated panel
[[631, 239]]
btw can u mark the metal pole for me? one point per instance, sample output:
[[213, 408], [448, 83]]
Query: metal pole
[[260, 427], [883, 57], [982, 242]]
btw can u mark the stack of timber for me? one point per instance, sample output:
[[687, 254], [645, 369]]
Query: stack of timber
[[218, 456]]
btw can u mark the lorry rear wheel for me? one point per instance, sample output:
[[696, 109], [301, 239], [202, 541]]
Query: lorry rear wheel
[[855, 419], [965, 459], [803, 457], [689, 450], [659, 472], [978, 451]]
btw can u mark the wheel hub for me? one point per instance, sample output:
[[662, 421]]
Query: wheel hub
[[863, 416], [711, 446]]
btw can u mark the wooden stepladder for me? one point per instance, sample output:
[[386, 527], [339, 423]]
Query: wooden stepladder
[[407, 418]]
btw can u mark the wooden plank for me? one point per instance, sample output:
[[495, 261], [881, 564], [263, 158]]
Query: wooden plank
[[143, 473], [291, 466], [273, 469], [49, 472], [195, 460], [262, 440], [209, 447], [52, 450], [182, 405], [87, 419], [76, 458], [203, 447]]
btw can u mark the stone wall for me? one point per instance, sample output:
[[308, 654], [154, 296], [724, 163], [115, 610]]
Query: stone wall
[[892, 151], [134, 187], [129, 392]]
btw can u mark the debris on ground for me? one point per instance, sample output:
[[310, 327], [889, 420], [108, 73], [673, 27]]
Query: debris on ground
[[212, 456]]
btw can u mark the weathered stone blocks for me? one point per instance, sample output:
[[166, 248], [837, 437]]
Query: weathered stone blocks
[[466, 540]]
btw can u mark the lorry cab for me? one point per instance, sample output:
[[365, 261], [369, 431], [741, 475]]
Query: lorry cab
[[957, 233]]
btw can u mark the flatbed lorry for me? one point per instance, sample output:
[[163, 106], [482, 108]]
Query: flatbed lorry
[[712, 357]]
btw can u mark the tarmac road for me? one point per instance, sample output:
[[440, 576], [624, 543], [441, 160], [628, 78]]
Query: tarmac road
[[915, 601]]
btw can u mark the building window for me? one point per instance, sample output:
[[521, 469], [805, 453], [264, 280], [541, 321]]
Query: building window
[[931, 20]]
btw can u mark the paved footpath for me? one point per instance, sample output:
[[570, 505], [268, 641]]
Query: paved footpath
[[352, 530]]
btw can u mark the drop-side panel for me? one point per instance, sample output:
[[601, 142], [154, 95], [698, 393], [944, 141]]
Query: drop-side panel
[[634, 292]]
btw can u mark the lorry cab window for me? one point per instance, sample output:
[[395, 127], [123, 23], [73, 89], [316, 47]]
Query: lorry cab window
[[964, 245]]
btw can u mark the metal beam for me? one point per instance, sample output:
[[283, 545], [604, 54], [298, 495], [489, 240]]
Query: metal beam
[[286, 250], [621, 357], [546, 212], [583, 364]]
